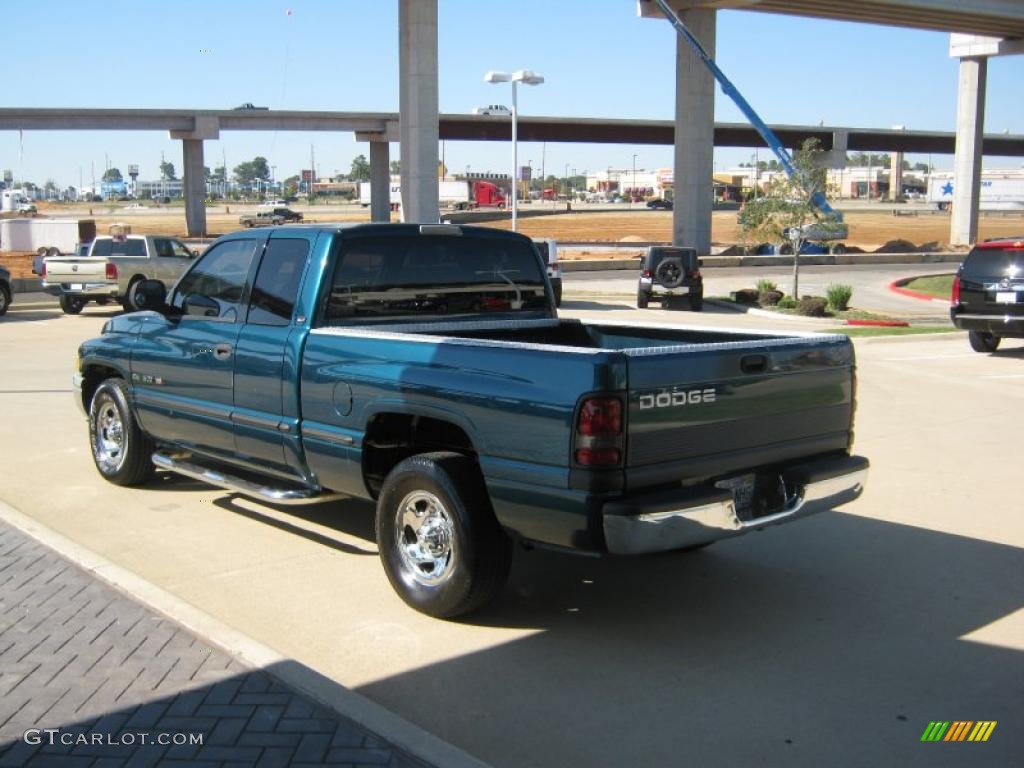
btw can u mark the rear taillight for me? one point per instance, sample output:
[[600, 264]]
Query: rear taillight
[[111, 271], [42, 271], [646, 273], [693, 274], [599, 432], [954, 298]]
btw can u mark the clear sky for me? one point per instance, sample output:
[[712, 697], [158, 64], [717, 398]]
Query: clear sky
[[598, 57]]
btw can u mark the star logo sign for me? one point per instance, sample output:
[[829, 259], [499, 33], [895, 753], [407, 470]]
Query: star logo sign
[[947, 188]]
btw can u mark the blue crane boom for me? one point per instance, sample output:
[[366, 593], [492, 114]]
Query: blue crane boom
[[730, 90]]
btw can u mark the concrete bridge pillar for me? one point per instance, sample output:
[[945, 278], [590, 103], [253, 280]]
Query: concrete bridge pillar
[[193, 176], [417, 98], [693, 190], [380, 170], [970, 124]]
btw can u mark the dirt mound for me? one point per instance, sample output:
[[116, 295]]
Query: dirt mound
[[897, 246]]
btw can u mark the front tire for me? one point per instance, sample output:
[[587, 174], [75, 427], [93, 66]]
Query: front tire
[[441, 546], [5, 299], [71, 305], [121, 451], [983, 342]]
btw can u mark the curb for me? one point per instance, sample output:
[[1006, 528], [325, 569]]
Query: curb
[[347, 703], [896, 286]]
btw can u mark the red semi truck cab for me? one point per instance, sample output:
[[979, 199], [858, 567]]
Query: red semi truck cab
[[488, 195]]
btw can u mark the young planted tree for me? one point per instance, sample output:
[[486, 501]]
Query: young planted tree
[[787, 213]]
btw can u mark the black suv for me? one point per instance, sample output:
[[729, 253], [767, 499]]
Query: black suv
[[988, 293], [668, 272]]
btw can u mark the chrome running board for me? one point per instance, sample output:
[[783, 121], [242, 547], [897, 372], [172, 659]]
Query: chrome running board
[[293, 496]]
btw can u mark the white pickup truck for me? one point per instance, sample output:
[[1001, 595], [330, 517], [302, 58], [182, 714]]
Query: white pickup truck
[[114, 270]]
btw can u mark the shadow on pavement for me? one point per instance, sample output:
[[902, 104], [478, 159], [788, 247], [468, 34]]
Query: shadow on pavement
[[831, 642], [353, 517], [15, 315]]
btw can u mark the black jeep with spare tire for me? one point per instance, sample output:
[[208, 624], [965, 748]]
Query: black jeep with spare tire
[[668, 273]]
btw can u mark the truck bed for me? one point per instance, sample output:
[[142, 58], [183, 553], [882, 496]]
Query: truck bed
[[700, 402]]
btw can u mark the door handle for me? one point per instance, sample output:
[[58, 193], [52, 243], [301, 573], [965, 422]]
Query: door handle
[[222, 351]]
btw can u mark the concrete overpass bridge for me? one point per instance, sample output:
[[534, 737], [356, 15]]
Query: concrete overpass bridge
[[193, 127]]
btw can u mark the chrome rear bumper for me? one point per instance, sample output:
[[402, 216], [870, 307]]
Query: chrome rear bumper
[[656, 524]]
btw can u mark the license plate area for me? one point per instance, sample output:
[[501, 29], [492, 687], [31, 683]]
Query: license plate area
[[755, 494], [75, 286], [1006, 297]]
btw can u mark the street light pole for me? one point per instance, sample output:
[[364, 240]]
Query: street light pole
[[632, 192], [519, 76]]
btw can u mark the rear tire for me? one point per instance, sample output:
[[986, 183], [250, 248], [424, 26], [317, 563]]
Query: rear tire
[[642, 299], [983, 342], [696, 302], [441, 546], [130, 302], [121, 451], [71, 305], [5, 299]]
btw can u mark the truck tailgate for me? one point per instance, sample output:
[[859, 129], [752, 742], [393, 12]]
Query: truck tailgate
[[73, 269], [710, 409]]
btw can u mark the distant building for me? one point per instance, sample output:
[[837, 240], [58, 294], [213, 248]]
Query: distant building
[[160, 188]]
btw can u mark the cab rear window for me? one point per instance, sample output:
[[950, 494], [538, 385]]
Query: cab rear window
[[401, 277], [995, 261]]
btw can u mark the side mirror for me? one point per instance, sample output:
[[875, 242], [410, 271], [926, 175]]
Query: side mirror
[[700, 262], [203, 306], [195, 253], [151, 294]]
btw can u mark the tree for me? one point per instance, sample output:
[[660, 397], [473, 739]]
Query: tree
[[787, 211], [112, 174], [167, 171], [360, 169], [219, 175], [249, 172], [396, 167]]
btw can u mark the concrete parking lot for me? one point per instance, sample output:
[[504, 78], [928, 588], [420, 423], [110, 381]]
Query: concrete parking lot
[[834, 641]]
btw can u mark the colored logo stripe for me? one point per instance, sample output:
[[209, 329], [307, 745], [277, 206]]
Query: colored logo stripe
[[958, 730], [982, 730]]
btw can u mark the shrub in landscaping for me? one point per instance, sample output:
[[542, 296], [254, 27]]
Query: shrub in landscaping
[[839, 297], [763, 286], [769, 298], [786, 302], [812, 306], [745, 296]]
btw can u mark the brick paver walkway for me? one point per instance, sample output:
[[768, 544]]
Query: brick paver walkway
[[125, 686]]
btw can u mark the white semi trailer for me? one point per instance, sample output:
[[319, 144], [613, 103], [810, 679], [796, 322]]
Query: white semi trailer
[[1000, 191]]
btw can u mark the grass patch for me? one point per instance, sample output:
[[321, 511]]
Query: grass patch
[[939, 286], [874, 330]]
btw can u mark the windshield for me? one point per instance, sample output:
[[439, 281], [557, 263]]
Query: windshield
[[399, 277]]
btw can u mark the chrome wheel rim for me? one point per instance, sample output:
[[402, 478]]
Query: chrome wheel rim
[[109, 437], [425, 538]]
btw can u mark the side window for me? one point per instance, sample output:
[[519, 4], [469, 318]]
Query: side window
[[163, 247], [219, 277], [277, 282], [180, 250]]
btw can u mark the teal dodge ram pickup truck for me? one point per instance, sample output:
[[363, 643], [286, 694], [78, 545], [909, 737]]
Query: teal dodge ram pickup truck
[[424, 367]]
